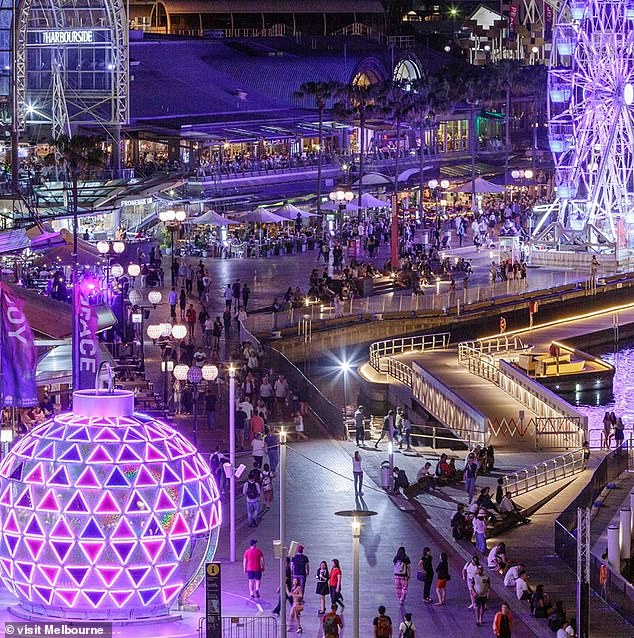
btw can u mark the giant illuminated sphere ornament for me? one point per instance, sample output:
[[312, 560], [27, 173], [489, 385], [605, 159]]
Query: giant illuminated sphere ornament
[[105, 513]]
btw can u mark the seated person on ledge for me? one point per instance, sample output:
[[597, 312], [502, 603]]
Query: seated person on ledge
[[511, 511], [425, 478]]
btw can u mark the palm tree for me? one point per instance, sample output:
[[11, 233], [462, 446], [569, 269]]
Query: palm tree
[[430, 100], [397, 101], [535, 79], [76, 156], [358, 105], [471, 87], [505, 81], [322, 93]]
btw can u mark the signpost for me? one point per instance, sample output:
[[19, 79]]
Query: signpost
[[213, 600]]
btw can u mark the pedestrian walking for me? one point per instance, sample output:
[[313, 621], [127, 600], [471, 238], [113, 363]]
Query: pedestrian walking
[[402, 571], [334, 584], [190, 318], [210, 408], [182, 302], [442, 577], [267, 486], [258, 448], [287, 587], [272, 449], [382, 624], [251, 491], [468, 572], [406, 628], [301, 566], [481, 589], [586, 454], [406, 438], [387, 428], [359, 425], [331, 623], [172, 299], [480, 531], [426, 566], [298, 605], [228, 297], [357, 471], [470, 474], [503, 623], [253, 565], [322, 585]]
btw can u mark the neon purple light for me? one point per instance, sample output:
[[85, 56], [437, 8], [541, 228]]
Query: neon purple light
[[99, 515]]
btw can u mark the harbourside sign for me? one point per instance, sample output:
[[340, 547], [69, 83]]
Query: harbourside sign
[[56, 37], [68, 37]]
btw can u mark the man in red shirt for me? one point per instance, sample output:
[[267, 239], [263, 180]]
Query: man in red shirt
[[253, 565]]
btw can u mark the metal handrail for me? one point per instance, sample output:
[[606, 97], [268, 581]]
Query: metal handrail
[[545, 473], [497, 345], [418, 343]]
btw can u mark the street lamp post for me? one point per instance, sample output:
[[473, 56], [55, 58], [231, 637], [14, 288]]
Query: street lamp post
[[434, 185], [172, 220], [195, 376], [232, 461], [283, 548], [342, 197], [167, 366], [345, 368], [357, 516], [108, 250]]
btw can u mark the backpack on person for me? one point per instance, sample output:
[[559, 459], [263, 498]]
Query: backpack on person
[[330, 622], [383, 627], [400, 568], [408, 632], [252, 491]]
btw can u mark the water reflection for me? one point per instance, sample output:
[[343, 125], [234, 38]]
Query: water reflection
[[620, 401]]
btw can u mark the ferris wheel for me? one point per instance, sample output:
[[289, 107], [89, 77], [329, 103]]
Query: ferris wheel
[[591, 118]]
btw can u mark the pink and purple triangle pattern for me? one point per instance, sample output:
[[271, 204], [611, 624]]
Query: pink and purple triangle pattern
[[103, 514]]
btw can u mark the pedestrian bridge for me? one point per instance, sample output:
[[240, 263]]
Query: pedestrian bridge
[[474, 391]]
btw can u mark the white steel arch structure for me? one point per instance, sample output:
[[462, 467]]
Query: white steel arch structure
[[591, 126], [71, 64]]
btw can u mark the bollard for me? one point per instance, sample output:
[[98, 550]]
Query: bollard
[[614, 554], [625, 532]]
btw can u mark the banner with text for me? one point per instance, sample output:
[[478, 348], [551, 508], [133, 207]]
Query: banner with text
[[87, 340], [19, 357]]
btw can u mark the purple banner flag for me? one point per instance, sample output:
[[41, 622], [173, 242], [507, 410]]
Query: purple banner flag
[[88, 343], [548, 21], [19, 358]]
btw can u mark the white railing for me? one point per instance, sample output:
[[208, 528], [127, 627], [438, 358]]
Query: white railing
[[448, 407], [419, 343], [496, 345], [535, 397], [545, 473]]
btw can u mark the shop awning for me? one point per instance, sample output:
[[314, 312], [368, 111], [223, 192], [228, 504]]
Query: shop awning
[[60, 253], [374, 179], [13, 241], [56, 365], [478, 185]]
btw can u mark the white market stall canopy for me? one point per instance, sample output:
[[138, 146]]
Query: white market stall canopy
[[334, 206], [481, 186], [370, 201], [290, 211], [212, 218], [260, 216]]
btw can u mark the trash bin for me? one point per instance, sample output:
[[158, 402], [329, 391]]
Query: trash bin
[[386, 476]]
